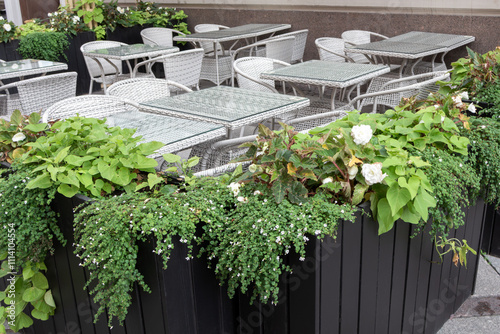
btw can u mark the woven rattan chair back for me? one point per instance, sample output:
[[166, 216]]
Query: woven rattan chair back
[[208, 47], [356, 37], [159, 36], [331, 49], [299, 44], [143, 89], [248, 70], [96, 106], [92, 65], [184, 67]]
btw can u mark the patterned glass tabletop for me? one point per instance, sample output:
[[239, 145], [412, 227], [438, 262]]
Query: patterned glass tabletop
[[17, 68], [131, 51], [447, 40], [232, 107], [398, 49], [247, 30], [172, 131], [333, 74]]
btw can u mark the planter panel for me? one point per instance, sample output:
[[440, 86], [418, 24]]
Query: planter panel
[[365, 283]]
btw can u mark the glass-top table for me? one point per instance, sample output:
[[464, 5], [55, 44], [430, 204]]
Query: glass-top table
[[133, 51], [227, 106], [24, 67], [176, 133], [449, 41], [327, 73]]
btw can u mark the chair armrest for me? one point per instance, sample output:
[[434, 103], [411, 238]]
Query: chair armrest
[[180, 86]]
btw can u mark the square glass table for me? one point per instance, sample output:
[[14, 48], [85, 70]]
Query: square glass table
[[327, 73], [227, 106], [24, 67], [176, 133], [128, 52], [233, 34]]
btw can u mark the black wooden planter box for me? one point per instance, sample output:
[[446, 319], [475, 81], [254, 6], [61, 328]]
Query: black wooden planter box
[[491, 232], [363, 283]]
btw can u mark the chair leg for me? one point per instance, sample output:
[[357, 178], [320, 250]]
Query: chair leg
[[91, 86]]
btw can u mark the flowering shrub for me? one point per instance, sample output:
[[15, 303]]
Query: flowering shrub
[[65, 20], [7, 30]]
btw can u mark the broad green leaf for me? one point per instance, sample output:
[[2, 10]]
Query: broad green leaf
[[62, 154], [418, 162], [69, 178], [39, 315], [40, 281], [384, 217], [154, 179], [413, 184], [28, 273], [32, 294], [42, 181], [297, 193], [141, 162], [397, 198], [37, 127], [49, 299], [409, 216], [16, 117], [22, 321], [334, 187], [422, 202], [279, 191], [359, 193], [107, 171], [77, 161], [149, 147], [123, 176], [85, 179], [68, 190], [171, 158]]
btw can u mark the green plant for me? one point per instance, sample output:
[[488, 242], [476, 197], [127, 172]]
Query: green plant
[[17, 134], [30, 27], [7, 30], [65, 20], [29, 237], [84, 155], [90, 11], [44, 45]]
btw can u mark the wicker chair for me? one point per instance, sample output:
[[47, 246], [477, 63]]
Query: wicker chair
[[183, 67], [208, 47], [299, 45], [356, 37], [421, 85], [96, 106], [144, 89], [332, 49], [36, 94], [101, 71], [159, 36]]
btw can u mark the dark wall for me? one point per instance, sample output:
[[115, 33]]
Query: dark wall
[[332, 24]]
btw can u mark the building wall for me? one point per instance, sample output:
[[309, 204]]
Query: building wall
[[327, 18]]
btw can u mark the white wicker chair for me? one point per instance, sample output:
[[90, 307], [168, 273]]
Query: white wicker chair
[[332, 49], [299, 45], [159, 36], [36, 94], [208, 47], [101, 71], [356, 37], [144, 89], [96, 106], [183, 67]]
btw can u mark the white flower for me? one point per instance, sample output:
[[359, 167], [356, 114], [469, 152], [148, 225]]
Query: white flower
[[75, 19], [457, 99], [18, 137], [120, 10], [1, 18], [361, 134], [7, 27], [352, 171], [327, 180], [257, 192], [464, 95], [242, 199], [235, 187], [49, 15], [443, 118], [373, 173], [253, 168], [472, 108]]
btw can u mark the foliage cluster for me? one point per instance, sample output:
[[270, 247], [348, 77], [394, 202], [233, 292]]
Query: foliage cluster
[[49, 45], [7, 30]]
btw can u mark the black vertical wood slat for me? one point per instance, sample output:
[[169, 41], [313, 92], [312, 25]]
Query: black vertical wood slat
[[178, 300], [228, 311], [384, 278], [53, 278], [424, 271], [101, 326], [489, 223], [276, 318], [249, 320], [351, 261], [331, 257], [151, 302], [303, 299], [411, 280], [399, 268], [495, 234], [473, 261], [369, 279], [134, 322]]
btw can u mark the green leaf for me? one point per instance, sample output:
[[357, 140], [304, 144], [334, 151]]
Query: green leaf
[[193, 161], [39, 315], [42, 181], [359, 193], [68, 190], [69, 178], [49, 299], [32, 294], [412, 185], [28, 273], [40, 281], [85, 179], [153, 180], [423, 201], [16, 117], [171, 158], [37, 127], [150, 147], [123, 176], [107, 171], [279, 191], [62, 154], [384, 217], [298, 193], [397, 198], [77, 161], [141, 162], [23, 321]]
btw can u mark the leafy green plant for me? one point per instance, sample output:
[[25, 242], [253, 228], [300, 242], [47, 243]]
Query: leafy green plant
[[29, 237], [7, 30], [90, 11], [84, 155], [30, 27], [17, 134], [65, 20], [44, 45]]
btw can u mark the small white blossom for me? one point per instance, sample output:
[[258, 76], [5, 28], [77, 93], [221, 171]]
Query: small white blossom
[[472, 108], [464, 95], [457, 100], [301, 258], [19, 137], [327, 180], [120, 10], [7, 27], [257, 192], [373, 173], [352, 171], [361, 134], [235, 188]]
